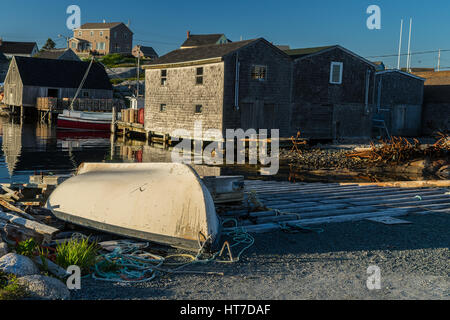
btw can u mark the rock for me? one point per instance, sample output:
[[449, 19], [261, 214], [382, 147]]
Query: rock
[[43, 287], [3, 249], [18, 265]]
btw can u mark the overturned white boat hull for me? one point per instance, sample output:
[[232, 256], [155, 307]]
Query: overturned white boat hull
[[161, 202]]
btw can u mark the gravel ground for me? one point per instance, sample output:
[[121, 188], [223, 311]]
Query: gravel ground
[[413, 259]]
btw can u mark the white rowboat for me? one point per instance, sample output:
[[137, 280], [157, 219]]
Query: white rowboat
[[161, 202]]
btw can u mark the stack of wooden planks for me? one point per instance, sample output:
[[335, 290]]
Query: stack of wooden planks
[[15, 223], [304, 204]]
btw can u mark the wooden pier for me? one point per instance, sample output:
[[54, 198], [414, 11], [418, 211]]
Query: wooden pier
[[285, 205], [48, 108]]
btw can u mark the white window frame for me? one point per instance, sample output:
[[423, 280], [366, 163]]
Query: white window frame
[[100, 46], [341, 65], [252, 74]]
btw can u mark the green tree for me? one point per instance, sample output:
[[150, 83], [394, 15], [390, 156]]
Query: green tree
[[50, 44]]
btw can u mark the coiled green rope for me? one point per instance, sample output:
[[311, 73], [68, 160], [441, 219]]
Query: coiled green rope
[[133, 265]]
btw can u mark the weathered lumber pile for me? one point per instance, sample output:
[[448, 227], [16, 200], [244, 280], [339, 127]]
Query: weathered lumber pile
[[20, 219], [275, 205]]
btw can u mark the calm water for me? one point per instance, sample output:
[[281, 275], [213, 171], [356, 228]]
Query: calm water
[[28, 149], [32, 148]]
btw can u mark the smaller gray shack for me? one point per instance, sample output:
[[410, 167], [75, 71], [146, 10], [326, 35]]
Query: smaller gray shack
[[399, 99]]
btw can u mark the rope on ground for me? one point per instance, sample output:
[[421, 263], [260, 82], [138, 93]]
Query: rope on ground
[[129, 263]]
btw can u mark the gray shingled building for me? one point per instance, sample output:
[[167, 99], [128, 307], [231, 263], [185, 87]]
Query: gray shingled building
[[243, 84], [30, 78]]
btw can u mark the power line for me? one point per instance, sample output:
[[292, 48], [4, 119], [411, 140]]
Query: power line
[[405, 54]]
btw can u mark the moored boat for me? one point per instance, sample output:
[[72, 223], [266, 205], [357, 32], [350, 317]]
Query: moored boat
[[81, 120], [160, 202]]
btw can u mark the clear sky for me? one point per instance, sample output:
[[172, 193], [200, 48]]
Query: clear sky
[[163, 24]]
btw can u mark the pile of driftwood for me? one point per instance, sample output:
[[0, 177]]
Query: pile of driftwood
[[398, 150], [21, 214]]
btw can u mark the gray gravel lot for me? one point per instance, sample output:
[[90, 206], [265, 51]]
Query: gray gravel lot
[[413, 259]]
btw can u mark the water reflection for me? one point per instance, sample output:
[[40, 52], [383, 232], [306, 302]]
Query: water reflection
[[32, 148], [28, 149]]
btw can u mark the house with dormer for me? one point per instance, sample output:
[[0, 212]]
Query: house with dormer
[[102, 38]]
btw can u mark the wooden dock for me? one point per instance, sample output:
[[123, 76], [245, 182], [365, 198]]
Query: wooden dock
[[284, 204], [48, 107]]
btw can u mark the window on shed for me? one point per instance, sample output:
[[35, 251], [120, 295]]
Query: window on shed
[[336, 72], [163, 77], [198, 108], [259, 73], [85, 94], [92, 33], [199, 76], [162, 107]]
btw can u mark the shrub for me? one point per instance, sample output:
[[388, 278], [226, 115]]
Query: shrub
[[27, 248], [10, 289]]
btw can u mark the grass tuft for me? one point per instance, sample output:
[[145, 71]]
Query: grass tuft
[[27, 248], [77, 252]]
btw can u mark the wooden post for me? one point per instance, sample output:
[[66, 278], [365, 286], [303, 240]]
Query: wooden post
[[113, 121]]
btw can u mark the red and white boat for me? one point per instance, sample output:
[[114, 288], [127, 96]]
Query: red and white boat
[[82, 120]]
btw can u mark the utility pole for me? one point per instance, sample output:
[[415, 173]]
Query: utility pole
[[400, 45], [439, 60], [67, 39], [138, 71]]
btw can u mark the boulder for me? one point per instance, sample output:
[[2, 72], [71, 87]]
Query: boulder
[[3, 249], [43, 287], [18, 265]]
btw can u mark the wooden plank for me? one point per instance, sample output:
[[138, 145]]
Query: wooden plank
[[13, 194], [325, 220], [273, 218], [368, 200], [275, 189], [355, 195], [394, 197], [32, 225], [10, 207], [388, 220], [316, 207], [354, 217], [342, 211], [331, 191], [409, 184], [407, 202]]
